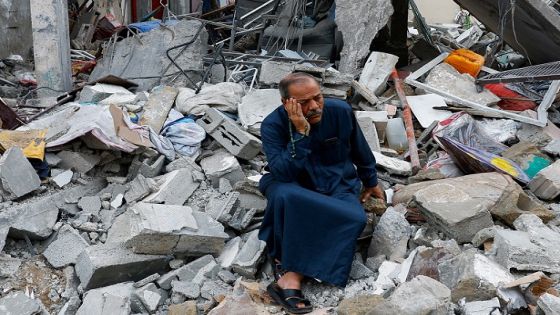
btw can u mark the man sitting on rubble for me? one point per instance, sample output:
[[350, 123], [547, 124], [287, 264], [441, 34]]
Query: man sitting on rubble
[[317, 155]]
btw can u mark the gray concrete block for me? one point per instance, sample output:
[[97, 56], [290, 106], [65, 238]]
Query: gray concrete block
[[227, 277], [106, 264], [164, 229], [90, 204], [222, 164], [377, 71], [215, 290], [150, 296], [101, 91], [197, 271], [472, 276], [145, 281], [256, 106], [272, 72], [489, 307], [391, 235], [549, 304], [546, 185], [9, 266], [16, 173], [174, 188], [140, 187], [158, 106], [421, 295], [359, 270], [77, 161], [188, 290], [63, 178], [222, 209], [111, 300], [227, 133], [370, 133], [65, 248], [453, 211], [230, 251], [20, 304], [149, 164], [250, 256]]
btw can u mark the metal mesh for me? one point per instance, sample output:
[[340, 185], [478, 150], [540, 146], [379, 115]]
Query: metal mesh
[[547, 71]]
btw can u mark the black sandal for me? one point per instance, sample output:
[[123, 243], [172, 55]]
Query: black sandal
[[289, 299]]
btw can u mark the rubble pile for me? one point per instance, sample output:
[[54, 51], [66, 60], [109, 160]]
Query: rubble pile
[[137, 191]]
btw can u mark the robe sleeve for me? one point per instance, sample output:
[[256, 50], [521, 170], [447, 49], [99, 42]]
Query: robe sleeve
[[283, 164], [362, 156]]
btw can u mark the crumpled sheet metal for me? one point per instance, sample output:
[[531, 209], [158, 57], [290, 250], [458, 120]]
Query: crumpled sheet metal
[[75, 121]]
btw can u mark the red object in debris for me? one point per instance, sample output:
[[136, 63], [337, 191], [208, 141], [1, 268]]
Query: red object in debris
[[81, 66], [511, 100]]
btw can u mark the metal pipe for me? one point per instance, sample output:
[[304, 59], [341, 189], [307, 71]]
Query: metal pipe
[[407, 115]]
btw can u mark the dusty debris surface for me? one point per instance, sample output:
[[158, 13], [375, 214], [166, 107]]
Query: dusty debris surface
[[134, 189]]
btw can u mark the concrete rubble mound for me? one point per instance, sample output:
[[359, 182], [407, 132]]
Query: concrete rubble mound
[[131, 151]]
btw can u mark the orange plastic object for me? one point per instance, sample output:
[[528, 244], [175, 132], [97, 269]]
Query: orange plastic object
[[466, 61]]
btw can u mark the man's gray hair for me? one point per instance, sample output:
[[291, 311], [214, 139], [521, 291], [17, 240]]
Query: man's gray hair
[[293, 78]]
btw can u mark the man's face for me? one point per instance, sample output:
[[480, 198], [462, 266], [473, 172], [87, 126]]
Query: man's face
[[308, 94]]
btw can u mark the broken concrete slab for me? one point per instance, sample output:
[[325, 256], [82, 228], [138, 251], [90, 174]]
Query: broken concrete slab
[[9, 266], [16, 173], [377, 71], [185, 289], [393, 165], [63, 178], [78, 161], [164, 229], [196, 271], [379, 118], [90, 204], [227, 133], [146, 53], [502, 196], [391, 235], [447, 79], [549, 304], [157, 107], [66, 247], [174, 188], [373, 15], [230, 252], [552, 148], [106, 264], [489, 307], [222, 165], [273, 71], [421, 295], [223, 208], [139, 188], [216, 290], [250, 256], [150, 296], [111, 300], [453, 211], [149, 164], [255, 106], [36, 219], [100, 91], [19, 303], [546, 185], [370, 133], [472, 276]]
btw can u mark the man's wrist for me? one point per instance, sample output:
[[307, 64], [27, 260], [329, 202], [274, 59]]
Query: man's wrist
[[304, 130]]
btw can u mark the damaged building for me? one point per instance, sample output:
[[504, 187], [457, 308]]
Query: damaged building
[[131, 152]]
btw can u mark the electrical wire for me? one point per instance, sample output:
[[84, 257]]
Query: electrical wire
[[515, 33]]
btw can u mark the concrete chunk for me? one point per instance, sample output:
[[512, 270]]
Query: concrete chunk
[[100, 91], [196, 271], [16, 173], [20, 304], [188, 290], [549, 304], [421, 295], [533, 247], [158, 106], [140, 187], [107, 264], [222, 164], [174, 188], [377, 70], [256, 105], [453, 211], [472, 276], [224, 130], [215, 290], [90, 204], [272, 71], [490, 307], [391, 235], [66, 247], [63, 178], [546, 185], [150, 296], [251, 254], [370, 133], [111, 300], [77, 161]]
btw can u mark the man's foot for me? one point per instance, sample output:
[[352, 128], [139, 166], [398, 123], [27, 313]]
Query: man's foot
[[291, 281], [292, 300]]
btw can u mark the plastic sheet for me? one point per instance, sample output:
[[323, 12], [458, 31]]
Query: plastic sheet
[[445, 164], [462, 128], [501, 130], [185, 135]]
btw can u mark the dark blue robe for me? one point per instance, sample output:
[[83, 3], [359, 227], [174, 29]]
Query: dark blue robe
[[313, 216]]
